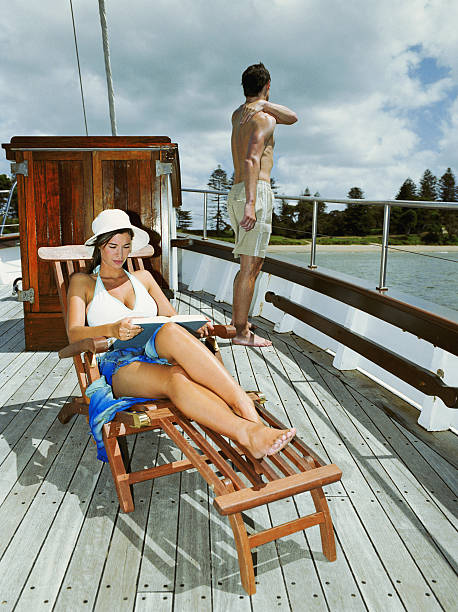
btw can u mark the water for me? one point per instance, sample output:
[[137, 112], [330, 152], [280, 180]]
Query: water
[[429, 278]]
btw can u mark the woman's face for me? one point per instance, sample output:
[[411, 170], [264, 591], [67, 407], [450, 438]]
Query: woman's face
[[115, 251]]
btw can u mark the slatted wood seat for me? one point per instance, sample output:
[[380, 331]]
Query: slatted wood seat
[[239, 482]]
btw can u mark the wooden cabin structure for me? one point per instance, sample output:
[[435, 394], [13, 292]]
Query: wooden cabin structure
[[63, 183]]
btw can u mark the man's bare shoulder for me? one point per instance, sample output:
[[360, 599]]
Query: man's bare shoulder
[[237, 114], [263, 119]]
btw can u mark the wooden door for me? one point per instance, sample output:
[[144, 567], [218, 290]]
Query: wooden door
[[53, 210], [67, 182]]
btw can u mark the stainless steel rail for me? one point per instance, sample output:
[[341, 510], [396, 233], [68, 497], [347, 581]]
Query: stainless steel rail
[[387, 204], [5, 214]]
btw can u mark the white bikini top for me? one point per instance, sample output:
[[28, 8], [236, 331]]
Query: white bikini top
[[105, 308]]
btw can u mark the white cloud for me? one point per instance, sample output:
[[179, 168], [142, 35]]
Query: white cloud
[[348, 69]]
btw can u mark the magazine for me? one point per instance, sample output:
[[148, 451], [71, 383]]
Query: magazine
[[150, 324]]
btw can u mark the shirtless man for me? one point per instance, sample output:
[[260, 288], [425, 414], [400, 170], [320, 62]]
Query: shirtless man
[[250, 199]]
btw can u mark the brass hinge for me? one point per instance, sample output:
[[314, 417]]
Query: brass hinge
[[168, 155], [140, 419], [163, 168], [26, 295], [20, 168]]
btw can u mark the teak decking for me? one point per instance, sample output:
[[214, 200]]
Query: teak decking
[[64, 544]]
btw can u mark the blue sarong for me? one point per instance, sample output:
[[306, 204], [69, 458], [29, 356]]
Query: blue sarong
[[103, 405]]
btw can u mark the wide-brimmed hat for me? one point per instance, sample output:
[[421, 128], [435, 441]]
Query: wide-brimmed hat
[[114, 219]]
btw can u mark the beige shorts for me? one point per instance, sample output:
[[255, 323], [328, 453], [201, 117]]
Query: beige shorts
[[256, 240]]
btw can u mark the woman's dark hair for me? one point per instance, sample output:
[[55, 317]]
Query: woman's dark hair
[[254, 79], [101, 241]]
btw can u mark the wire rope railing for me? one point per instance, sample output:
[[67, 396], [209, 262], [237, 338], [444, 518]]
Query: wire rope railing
[[387, 205]]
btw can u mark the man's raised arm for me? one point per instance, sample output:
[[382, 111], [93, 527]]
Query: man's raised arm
[[281, 114]]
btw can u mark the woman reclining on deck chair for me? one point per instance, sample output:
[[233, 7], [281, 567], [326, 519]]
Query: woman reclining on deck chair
[[183, 370]]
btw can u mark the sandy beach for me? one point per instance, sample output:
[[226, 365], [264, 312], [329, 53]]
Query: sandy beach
[[358, 248]]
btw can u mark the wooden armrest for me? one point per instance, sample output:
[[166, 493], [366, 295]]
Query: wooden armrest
[[88, 345], [224, 331], [278, 489]]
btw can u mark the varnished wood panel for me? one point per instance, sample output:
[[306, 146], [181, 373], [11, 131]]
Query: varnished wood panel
[[86, 142], [63, 192], [44, 331]]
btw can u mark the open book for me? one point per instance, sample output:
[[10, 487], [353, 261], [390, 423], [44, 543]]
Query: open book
[[150, 325]]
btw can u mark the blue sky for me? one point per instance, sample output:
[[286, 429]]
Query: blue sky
[[374, 83]]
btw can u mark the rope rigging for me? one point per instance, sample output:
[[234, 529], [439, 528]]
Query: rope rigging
[[79, 68]]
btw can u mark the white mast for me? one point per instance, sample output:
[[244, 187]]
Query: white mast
[[106, 52]]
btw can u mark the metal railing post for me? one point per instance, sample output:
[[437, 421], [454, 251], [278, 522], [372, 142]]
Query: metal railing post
[[384, 253], [204, 234], [5, 216], [314, 234]]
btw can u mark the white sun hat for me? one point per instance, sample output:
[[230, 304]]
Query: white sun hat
[[115, 219]]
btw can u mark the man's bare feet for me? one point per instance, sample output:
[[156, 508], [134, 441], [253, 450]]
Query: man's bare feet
[[264, 440], [251, 326], [251, 340]]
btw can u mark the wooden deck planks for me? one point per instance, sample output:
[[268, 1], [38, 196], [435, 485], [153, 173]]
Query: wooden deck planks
[[158, 564], [391, 551], [362, 482]]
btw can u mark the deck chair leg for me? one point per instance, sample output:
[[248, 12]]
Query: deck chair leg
[[69, 409], [328, 541], [243, 553], [118, 471], [122, 441]]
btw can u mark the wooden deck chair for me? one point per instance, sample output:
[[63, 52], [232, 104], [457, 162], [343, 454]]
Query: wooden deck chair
[[239, 482]]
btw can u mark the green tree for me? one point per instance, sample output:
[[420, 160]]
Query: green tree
[[427, 192], [447, 187], [448, 193], [304, 215], [355, 193], [357, 217], [428, 187], [184, 219], [333, 223], [218, 219], [407, 191], [408, 220], [283, 222]]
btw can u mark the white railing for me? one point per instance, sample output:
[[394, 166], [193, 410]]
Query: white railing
[[387, 204]]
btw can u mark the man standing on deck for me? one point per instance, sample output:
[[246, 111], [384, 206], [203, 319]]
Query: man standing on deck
[[250, 199]]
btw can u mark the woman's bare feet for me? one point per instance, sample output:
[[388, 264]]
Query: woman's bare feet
[[245, 408], [262, 440]]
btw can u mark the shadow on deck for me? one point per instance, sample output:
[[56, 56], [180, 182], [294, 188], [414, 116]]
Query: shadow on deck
[[65, 546]]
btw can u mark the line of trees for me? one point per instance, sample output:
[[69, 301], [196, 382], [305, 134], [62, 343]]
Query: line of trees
[[433, 226]]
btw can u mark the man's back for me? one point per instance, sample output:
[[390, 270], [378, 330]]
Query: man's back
[[260, 127]]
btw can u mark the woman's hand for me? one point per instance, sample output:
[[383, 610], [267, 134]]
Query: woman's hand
[[125, 329], [206, 330]]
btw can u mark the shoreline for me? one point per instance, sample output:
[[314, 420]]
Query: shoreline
[[359, 248]]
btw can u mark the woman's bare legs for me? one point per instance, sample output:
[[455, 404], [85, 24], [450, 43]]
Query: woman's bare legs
[[177, 345], [199, 403]]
